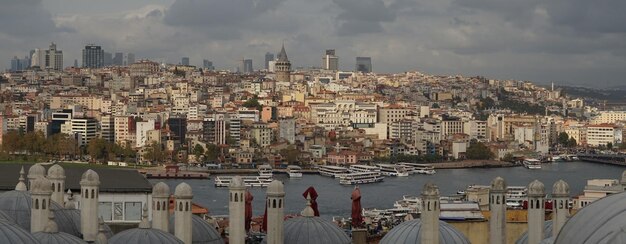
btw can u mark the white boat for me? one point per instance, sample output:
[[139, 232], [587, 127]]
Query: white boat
[[427, 169], [361, 178], [358, 168], [393, 170], [249, 181], [294, 171], [532, 163], [411, 203], [332, 171], [515, 196], [266, 170]]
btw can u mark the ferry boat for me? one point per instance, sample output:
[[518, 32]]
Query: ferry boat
[[532, 163], [266, 170], [393, 170], [294, 171], [361, 178], [411, 203], [427, 169], [249, 181], [358, 168], [332, 171]]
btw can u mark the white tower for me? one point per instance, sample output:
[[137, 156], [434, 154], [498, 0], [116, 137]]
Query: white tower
[[41, 188], [560, 197], [21, 186], [497, 205], [536, 211], [35, 171], [182, 213], [89, 190], [56, 175], [430, 214], [160, 206], [236, 210], [275, 212]]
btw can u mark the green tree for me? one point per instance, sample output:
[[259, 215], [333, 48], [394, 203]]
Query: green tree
[[572, 142], [253, 103], [609, 145], [290, 154], [11, 142], [478, 150], [563, 138], [508, 157], [154, 153], [98, 149], [435, 105], [212, 152], [198, 151]]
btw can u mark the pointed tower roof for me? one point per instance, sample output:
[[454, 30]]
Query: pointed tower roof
[[282, 56]]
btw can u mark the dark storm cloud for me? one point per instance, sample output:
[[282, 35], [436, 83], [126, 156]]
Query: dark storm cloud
[[216, 13], [25, 18], [363, 16]]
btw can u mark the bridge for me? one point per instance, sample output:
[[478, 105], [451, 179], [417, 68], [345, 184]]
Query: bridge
[[615, 159]]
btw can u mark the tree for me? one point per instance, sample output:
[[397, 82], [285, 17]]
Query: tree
[[609, 145], [198, 151], [154, 153], [290, 154], [212, 152], [253, 103], [478, 150], [563, 138], [98, 149], [435, 105], [572, 142], [508, 157]]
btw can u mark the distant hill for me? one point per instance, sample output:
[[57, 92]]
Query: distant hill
[[614, 94]]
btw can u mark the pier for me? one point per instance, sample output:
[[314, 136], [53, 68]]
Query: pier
[[615, 159]]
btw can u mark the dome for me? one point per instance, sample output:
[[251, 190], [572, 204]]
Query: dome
[[183, 190], [4, 216], [202, 232], [536, 188], [13, 233], [599, 222], [144, 236], [313, 230], [430, 189], [90, 178], [36, 170], [560, 189], [57, 238], [550, 240], [68, 221], [498, 185], [56, 172], [547, 233], [41, 185], [236, 182], [160, 190], [276, 187], [410, 232]]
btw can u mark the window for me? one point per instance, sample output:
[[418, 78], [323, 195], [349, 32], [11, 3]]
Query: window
[[132, 211], [118, 211], [105, 210]]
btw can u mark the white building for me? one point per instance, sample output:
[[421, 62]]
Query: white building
[[141, 132], [609, 117], [602, 134]]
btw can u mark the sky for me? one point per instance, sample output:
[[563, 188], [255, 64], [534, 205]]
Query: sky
[[574, 42]]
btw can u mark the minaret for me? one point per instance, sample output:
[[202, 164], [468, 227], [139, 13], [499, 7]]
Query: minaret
[[536, 211], [497, 206], [283, 66], [56, 175], [21, 186], [430, 214], [560, 205], [160, 206], [275, 212], [36, 170], [622, 181], [70, 204], [101, 238], [182, 213], [236, 211], [89, 190], [41, 188]]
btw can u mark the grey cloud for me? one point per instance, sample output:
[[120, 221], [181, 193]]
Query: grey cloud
[[212, 13], [25, 18], [363, 16]]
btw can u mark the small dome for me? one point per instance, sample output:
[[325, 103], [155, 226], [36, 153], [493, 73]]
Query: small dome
[[41, 185], [313, 230], [276, 187], [202, 232], [410, 232], [13, 233], [56, 172], [90, 178], [161, 190], [536, 188], [36, 170], [4, 216], [183, 190], [236, 182], [57, 238], [144, 236], [430, 189], [547, 233], [560, 188], [498, 184]]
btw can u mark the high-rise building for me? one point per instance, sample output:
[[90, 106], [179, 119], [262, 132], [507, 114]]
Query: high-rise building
[[330, 61], [207, 65], [54, 58], [38, 58], [18, 64], [178, 126], [93, 56], [268, 58], [184, 61], [283, 67], [108, 59], [246, 66], [364, 64], [287, 130], [118, 59], [130, 58]]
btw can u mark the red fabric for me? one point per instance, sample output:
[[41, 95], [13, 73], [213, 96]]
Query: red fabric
[[311, 192], [264, 226], [249, 199], [357, 218]]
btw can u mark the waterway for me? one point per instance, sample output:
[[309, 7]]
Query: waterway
[[334, 199]]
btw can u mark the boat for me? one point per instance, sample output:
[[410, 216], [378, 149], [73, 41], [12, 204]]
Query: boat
[[361, 178], [531, 163], [266, 170], [411, 203], [249, 181], [393, 170], [515, 196], [332, 171], [427, 169], [358, 168], [294, 171]]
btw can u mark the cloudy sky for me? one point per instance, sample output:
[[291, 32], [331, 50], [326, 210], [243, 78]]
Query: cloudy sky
[[566, 41]]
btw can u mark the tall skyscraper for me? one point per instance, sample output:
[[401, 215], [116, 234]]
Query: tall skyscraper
[[93, 56], [38, 58], [207, 65], [184, 61], [54, 58], [108, 59], [246, 66], [330, 61], [268, 58], [118, 59], [364, 64], [283, 67], [130, 58], [18, 64]]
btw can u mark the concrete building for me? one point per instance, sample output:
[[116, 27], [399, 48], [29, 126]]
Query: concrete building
[[141, 132], [54, 58], [330, 61], [287, 130], [246, 66], [85, 128], [93, 56], [603, 134], [268, 58], [343, 114], [364, 64], [261, 134], [184, 61], [124, 129]]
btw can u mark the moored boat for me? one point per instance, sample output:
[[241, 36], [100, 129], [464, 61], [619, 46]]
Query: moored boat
[[361, 178], [294, 171]]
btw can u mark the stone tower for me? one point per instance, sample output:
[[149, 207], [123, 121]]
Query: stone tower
[[160, 206], [101, 238], [56, 175], [497, 206], [21, 186], [89, 190], [560, 197], [41, 188], [283, 66], [275, 212], [536, 211], [182, 213], [236, 211], [430, 214], [36, 170]]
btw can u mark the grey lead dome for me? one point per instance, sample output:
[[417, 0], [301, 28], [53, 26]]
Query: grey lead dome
[[36, 170], [56, 172], [560, 188], [13, 233], [201, 231], [547, 233], [144, 236], [430, 189], [90, 178], [498, 184], [313, 230], [160, 190], [410, 232], [183, 190], [536, 188]]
